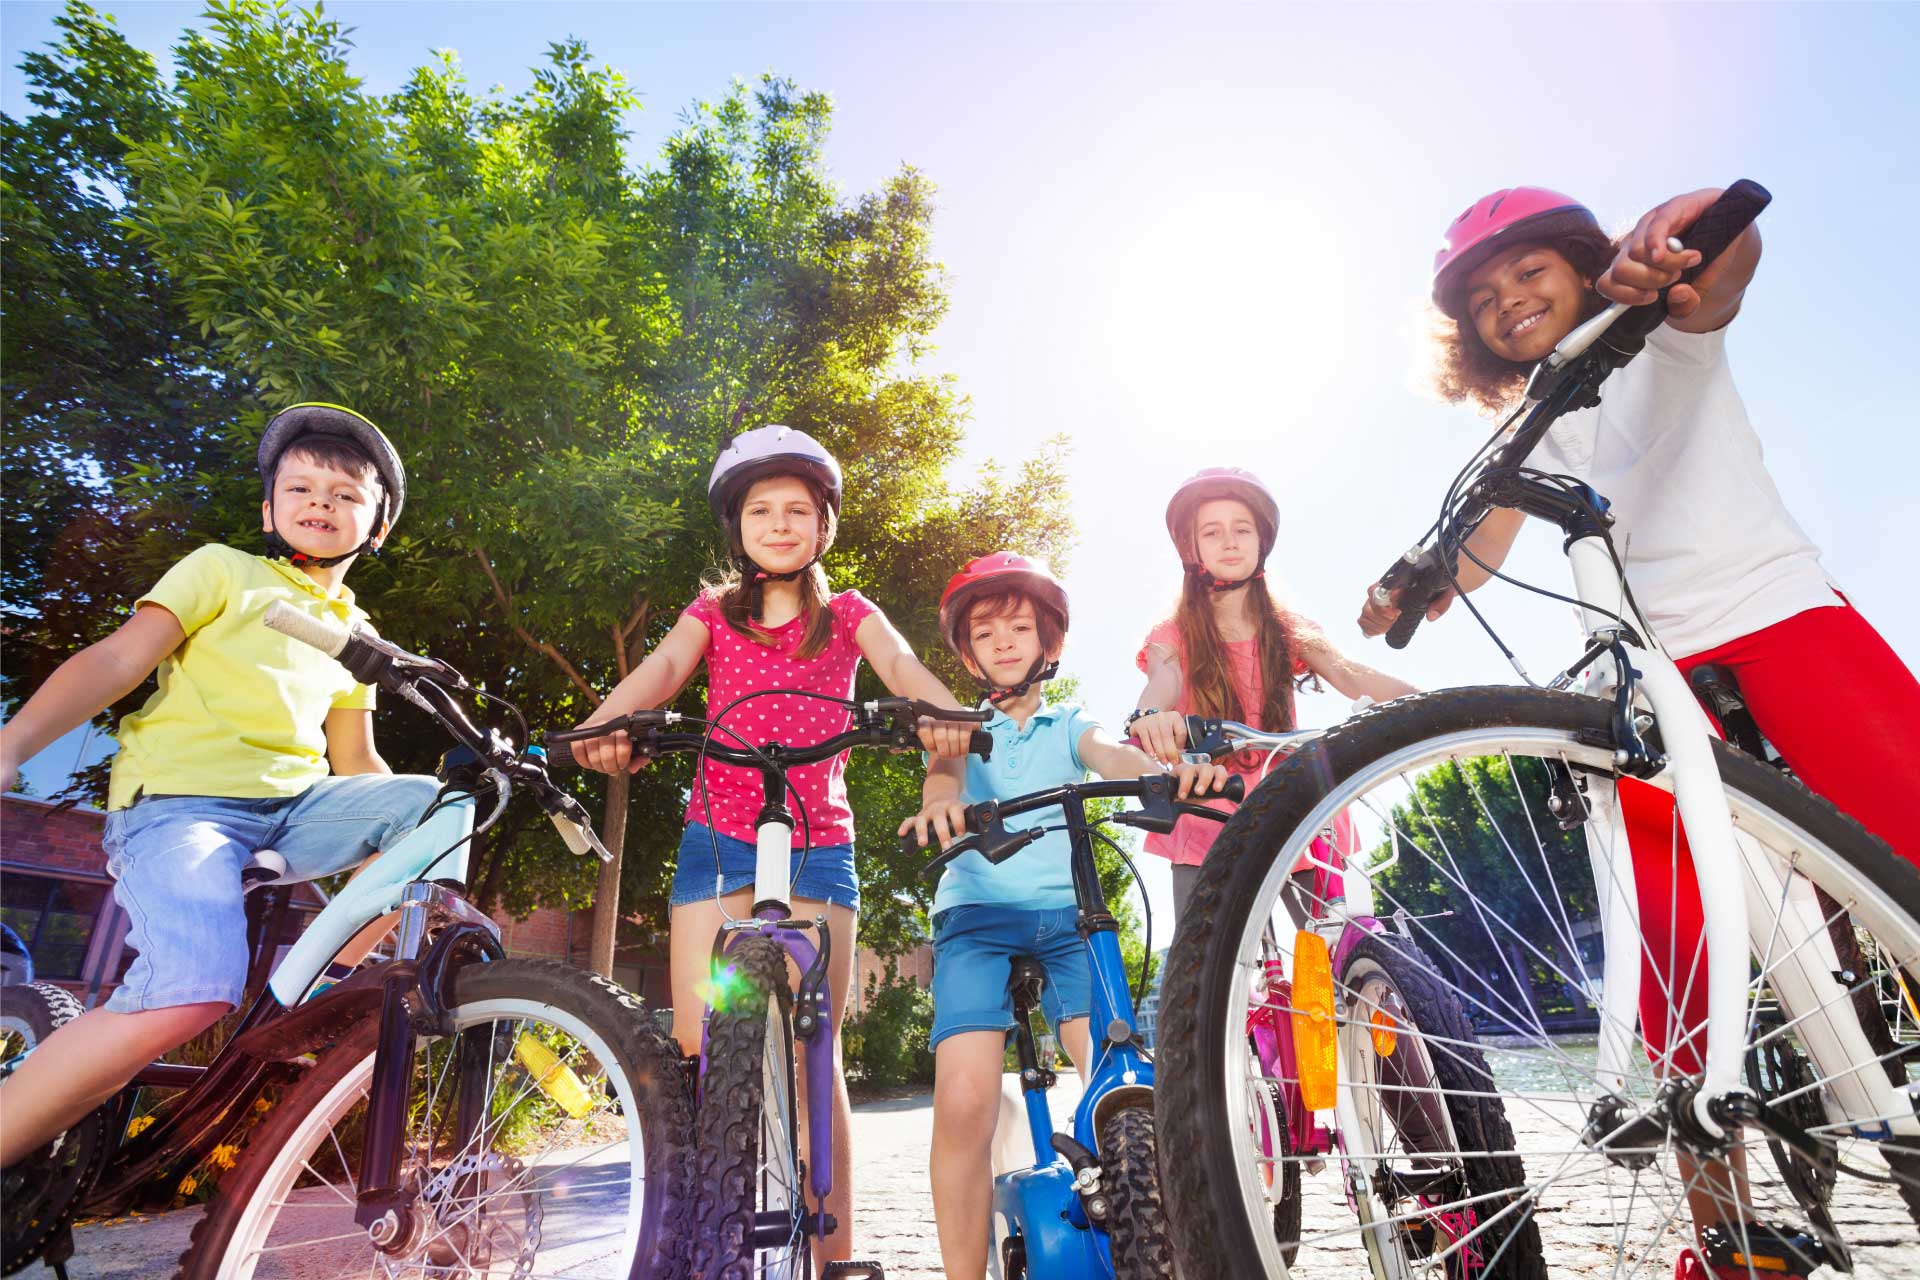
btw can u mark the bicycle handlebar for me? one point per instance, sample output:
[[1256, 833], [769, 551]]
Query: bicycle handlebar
[[987, 833], [881, 722], [420, 680], [1567, 379], [1212, 737]]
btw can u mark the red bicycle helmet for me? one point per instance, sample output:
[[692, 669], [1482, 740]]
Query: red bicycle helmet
[[1221, 482], [1511, 216], [1001, 571]]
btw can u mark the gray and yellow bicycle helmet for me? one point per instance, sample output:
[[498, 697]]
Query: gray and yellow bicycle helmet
[[295, 423]]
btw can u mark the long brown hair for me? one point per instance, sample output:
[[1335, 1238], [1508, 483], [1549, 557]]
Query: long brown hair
[[738, 599], [1203, 656], [1463, 367]]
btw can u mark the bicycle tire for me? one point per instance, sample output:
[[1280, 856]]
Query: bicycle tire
[[1476, 1114], [656, 1098], [1211, 1230], [1137, 1215], [32, 1011], [747, 1106]]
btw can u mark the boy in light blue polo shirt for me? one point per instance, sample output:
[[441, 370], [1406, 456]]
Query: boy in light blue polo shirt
[[1006, 618]]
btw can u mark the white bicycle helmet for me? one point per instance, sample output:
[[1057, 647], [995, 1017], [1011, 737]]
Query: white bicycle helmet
[[1222, 482], [769, 451]]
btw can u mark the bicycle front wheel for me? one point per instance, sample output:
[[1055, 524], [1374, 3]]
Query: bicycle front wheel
[[1459, 798], [578, 1164], [750, 1216]]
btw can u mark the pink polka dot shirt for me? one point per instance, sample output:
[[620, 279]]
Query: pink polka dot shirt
[[736, 665]]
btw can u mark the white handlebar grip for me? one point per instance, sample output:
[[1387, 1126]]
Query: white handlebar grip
[[328, 637]]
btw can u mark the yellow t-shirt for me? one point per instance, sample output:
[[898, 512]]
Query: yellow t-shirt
[[241, 709]]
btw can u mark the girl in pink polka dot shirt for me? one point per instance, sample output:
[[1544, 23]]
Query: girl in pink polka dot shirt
[[772, 622]]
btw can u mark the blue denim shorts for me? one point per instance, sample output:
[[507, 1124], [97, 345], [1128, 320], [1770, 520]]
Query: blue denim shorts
[[176, 863], [973, 949], [828, 875]]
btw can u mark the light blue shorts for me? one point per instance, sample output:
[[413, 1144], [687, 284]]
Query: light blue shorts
[[827, 875], [973, 949], [176, 863]]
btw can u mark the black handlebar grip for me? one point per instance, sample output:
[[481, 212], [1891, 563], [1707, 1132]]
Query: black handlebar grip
[[1400, 634], [560, 755], [1717, 228], [980, 743], [1235, 789]]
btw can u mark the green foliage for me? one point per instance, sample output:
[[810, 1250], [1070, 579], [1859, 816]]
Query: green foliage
[[557, 342], [887, 1043], [1461, 823]]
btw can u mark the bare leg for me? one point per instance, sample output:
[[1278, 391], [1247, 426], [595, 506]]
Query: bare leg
[[85, 1063], [1075, 1040], [966, 1107]]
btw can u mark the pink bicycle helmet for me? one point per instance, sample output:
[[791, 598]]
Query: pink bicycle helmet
[[1221, 482], [770, 451], [1512, 216], [1001, 571]]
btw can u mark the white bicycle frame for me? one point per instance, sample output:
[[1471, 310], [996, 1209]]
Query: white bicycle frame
[[1775, 915]]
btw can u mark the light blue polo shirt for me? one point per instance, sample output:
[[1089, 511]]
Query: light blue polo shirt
[[1044, 754]]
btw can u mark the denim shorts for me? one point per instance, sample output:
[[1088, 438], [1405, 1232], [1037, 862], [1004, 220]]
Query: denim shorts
[[973, 949], [176, 863], [828, 875]]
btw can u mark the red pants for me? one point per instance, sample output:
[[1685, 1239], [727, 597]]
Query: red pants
[[1844, 712]]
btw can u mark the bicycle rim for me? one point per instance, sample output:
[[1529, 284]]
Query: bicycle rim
[[782, 1197], [538, 1191], [1465, 806]]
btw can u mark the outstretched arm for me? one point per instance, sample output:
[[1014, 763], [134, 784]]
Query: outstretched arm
[[656, 681], [1352, 679], [1644, 266], [88, 683], [905, 676]]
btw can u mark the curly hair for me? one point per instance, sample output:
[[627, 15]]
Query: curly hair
[[1463, 367]]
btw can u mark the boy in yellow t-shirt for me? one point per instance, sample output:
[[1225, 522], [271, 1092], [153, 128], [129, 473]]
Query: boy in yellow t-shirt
[[253, 741]]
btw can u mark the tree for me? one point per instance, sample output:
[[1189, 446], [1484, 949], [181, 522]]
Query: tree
[[558, 345], [1509, 935]]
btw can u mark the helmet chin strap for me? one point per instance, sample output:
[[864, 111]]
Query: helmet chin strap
[[757, 578], [1042, 670], [1221, 585]]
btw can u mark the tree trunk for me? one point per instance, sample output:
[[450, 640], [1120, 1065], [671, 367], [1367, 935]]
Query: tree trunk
[[606, 898]]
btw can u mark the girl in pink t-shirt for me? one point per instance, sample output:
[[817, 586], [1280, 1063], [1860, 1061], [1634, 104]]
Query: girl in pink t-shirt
[[771, 622], [1229, 650]]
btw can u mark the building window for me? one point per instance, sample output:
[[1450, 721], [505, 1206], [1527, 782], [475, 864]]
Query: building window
[[54, 917]]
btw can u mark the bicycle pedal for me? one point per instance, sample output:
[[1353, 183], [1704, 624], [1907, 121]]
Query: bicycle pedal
[[864, 1270], [1768, 1250]]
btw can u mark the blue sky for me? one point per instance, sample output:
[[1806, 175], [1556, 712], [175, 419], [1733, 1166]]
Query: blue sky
[[1187, 236]]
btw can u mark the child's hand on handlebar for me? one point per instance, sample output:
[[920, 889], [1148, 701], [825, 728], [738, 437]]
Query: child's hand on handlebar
[[610, 753], [1161, 735], [946, 820], [1377, 619], [1200, 779], [1646, 263], [945, 739]]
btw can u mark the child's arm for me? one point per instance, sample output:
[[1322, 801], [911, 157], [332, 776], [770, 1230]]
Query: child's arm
[[88, 683], [350, 746], [941, 812], [657, 680], [1645, 265], [1353, 679], [1112, 759], [905, 676], [1490, 543], [1161, 733]]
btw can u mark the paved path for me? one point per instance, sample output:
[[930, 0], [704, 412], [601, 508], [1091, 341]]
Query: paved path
[[896, 1214]]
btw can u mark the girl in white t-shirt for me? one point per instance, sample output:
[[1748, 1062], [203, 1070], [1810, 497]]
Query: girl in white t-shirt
[[1719, 568]]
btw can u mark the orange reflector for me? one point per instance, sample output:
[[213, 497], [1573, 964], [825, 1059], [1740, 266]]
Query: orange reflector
[[1315, 1045], [1762, 1264], [1385, 1032]]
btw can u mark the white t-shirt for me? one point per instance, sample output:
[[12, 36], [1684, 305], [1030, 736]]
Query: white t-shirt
[[1710, 551]]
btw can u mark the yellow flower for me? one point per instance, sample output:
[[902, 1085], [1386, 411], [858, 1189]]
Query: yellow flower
[[187, 1184], [222, 1155], [139, 1126], [262, 1105]]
